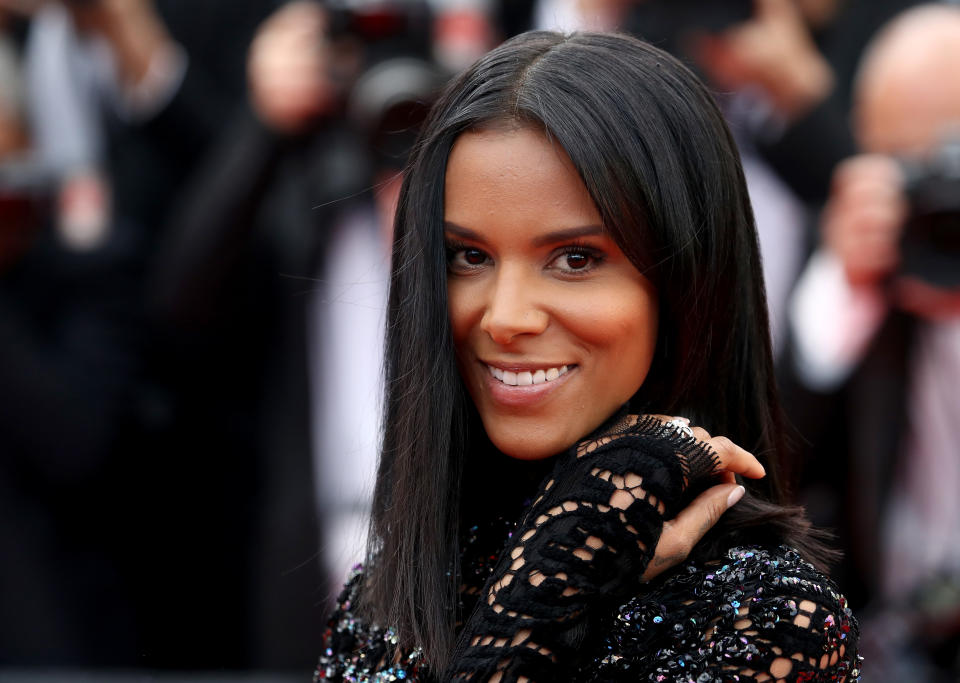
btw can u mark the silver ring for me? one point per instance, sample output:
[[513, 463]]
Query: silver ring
[[681, 426]]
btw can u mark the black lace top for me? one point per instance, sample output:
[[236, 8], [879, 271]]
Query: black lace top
[[558, 597]]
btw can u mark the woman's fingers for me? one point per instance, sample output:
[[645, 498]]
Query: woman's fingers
[[735, 459], [701, 433], [732, 458], [683, 532]]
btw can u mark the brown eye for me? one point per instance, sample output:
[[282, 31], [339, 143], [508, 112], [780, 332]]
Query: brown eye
[[464, 259], [474, 256], [577, 260]]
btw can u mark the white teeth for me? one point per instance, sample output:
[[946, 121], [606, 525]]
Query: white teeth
[[525, 377]]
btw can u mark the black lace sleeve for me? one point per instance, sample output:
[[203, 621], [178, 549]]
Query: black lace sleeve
[[579, 551]]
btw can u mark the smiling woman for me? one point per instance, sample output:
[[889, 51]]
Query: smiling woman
[[537, 290], [575, 258]]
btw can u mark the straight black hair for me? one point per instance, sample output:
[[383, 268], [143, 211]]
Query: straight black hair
[[658, 160]]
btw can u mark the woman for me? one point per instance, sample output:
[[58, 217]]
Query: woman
[[574, 249]]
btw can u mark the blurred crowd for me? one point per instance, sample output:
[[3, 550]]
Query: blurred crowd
[[195, 214]]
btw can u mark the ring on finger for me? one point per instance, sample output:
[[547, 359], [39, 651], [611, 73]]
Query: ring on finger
[[681, 426]]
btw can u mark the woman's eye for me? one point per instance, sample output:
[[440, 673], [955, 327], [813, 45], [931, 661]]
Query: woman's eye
[[474, 256], [576, 260], [460, 257]]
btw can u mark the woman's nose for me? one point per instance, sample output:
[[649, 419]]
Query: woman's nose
[[513, 309]]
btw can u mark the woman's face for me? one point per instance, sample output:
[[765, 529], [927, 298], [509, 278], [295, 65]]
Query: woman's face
[[554, 327]]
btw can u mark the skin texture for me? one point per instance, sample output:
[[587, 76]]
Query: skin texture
[[522, 295]]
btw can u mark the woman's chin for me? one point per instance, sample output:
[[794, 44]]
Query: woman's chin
[[529, 446], [536, 437]]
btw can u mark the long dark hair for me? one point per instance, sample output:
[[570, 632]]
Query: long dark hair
[[663, 170]]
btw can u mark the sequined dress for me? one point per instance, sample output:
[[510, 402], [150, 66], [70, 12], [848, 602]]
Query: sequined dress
[[755, 614]]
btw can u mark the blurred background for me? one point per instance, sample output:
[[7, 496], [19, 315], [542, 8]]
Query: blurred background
[[195, 208]]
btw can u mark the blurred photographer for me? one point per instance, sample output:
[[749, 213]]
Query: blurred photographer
[[275, 260], [66, 365], [877, 314]]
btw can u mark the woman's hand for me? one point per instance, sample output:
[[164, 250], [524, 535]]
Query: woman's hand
[[587, 540], [683, 532]]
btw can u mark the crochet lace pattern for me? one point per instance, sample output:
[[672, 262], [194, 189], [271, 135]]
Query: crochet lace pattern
[[585, 541], [564, 599]]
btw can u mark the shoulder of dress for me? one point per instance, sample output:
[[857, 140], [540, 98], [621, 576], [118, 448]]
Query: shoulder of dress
[[775, 569], [355, 649], [775, 586], [740, 613], [343, 608]]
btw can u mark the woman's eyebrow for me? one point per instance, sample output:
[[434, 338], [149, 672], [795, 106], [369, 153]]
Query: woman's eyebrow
[[539, 241], [460, 231], [568, 234]]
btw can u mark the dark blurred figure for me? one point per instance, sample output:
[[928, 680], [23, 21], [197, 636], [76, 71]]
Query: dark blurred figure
[[68, 357], [226, 567], [159, 482], [876, 346], [227, 433], [131, 548], [234, 287]]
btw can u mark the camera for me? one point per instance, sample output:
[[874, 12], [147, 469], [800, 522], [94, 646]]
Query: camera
[[930, 245], [386, 28]]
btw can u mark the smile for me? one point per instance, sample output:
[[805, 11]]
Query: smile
[[527, 377]]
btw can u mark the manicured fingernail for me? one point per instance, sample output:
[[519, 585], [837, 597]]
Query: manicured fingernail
[[735, 496]]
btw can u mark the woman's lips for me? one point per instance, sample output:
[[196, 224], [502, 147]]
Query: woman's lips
[[524, 387]]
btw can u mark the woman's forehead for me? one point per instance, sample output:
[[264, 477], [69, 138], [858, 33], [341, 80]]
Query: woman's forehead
[[514, 177]]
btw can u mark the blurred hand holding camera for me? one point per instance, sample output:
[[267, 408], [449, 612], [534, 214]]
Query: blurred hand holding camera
[[895, 223], [774, 51], [287, 67], [863, 219]]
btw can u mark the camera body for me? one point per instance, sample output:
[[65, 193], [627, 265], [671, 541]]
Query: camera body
[[385, 28], [930, 245]]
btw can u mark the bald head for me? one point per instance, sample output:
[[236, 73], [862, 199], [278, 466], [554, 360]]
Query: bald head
[[908, 89]]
